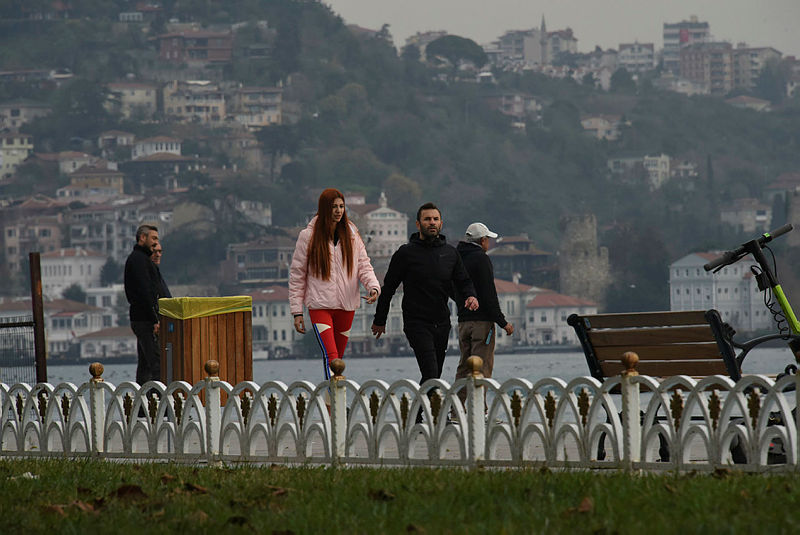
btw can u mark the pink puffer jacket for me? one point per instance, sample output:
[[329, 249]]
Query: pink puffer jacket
[[340, 292]]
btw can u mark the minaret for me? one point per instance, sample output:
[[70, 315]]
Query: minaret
[[543, 41], [382, 201]]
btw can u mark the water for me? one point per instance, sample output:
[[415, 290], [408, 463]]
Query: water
[[531, 366]]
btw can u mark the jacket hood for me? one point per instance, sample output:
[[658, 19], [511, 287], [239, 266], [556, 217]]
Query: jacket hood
[[438, 242]]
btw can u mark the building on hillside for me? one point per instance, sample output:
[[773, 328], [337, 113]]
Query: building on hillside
[[733, 291], [273, 324], [64, 320], [422, 39], [112, 141], [512, 297], [264, 261], [602, 126], [678, 35], [14, 149], [783, 187], [111, 299], [382, 228], [515, 258], [15, 113], [99, 175], [748, 64], [636, 57], [710, 65], [32, 234], [583, 266], [747, 215], [71, 161], [64, 267], [195, 101], [108, 344], [546, 318], [256, 107], [156, 145], [132, 99], [514, 104], [196, 47], [657, 169]]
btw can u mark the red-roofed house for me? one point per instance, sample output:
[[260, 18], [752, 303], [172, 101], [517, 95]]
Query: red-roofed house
[[108, 344], [546, 318]]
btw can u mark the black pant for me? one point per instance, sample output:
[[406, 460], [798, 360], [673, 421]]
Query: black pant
[[429, 342], [148, 367]]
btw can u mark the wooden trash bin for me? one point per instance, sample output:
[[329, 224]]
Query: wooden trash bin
[[194, 330]]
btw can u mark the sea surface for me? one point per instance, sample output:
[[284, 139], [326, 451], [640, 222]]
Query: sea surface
[[530, 366]]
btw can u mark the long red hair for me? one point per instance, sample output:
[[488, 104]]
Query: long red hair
[[325, 228]]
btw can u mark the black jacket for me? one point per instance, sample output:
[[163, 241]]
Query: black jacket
[[479, 266], [142, 285], [163, 289], [428, 271]]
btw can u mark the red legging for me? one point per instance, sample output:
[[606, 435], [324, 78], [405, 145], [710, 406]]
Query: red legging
[[332, 328]]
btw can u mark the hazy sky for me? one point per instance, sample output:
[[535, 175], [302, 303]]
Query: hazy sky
[[606, 23]]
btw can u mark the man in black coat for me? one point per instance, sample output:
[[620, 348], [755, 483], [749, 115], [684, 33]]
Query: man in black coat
[[163, 289], [142, 288], [428, 268], [476, 328]]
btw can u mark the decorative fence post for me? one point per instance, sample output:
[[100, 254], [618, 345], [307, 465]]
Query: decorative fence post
[[213, 413], [97, 409], [476, 426], [338, 411], [631, 421]]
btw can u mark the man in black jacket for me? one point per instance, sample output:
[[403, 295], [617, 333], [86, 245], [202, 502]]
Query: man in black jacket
[[476, 331], [428, 269], [142, 288]]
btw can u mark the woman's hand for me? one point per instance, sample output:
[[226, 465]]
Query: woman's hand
[[373, 296], [299, 326]]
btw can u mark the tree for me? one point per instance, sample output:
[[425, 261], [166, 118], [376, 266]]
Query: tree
[[75, 293], [110, 273], [276, 141], [622, 82], [457, 50], [402, 193]]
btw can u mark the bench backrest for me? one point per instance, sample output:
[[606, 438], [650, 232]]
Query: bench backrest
[[668, 343]]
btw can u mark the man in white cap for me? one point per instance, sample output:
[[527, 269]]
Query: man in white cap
[[476, 328]]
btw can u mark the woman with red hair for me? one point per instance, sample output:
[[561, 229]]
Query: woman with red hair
[[329, 261]]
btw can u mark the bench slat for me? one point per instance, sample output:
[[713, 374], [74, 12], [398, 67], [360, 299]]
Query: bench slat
[[707, 350], [651, 336], [693, 368], [647, 319]]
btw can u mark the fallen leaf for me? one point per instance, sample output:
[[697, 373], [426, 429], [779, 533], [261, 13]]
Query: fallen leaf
[[191, 487], [670, 488], [83, 506], [198, 517], [413, 528], [745, 494], [59, 510], [167, 478], [586, 506], [721, 473], [278, 491]]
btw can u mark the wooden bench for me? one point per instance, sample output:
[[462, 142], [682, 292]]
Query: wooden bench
[[695, 343]]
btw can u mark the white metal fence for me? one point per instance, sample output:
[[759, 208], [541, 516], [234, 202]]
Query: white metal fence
[[628, 422]]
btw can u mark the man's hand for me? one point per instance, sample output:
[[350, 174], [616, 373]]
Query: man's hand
[[471, 303], [378, 330], [509, 329], [372, 297], [299, 326]]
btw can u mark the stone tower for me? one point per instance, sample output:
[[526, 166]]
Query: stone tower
[[583, 267]]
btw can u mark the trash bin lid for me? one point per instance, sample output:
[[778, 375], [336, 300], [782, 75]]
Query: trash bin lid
[[184, 308]]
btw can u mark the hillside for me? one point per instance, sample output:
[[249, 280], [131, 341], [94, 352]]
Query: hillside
[[370, 120]]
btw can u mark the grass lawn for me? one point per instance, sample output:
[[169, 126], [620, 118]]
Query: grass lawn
[[58, 496]]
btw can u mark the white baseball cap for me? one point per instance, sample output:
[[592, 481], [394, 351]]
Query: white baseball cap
[[479, 230]]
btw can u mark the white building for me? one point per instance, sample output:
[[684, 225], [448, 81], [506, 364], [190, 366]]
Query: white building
[[273, 324], [156, 145], [108, 344], [385, 229], [657, 169], [747, 215], [132, 99], [636, 57], [546, 321], [680, 34], [108, 298], [65, 267], [14, 149], [732, 291]]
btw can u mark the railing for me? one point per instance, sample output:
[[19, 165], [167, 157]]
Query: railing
[[628, 422]]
